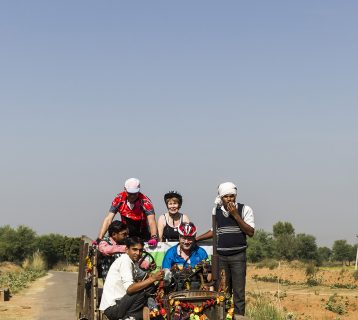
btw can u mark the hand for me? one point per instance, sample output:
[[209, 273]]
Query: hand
[[96, 242], [231, 207], [159, 275], [153, 242]]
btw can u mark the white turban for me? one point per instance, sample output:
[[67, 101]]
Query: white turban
[[224, 189]]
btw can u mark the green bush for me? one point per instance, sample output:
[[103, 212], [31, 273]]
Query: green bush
[[335, 306], [19, 280], [312, 282], [32, 268], [260, 309]]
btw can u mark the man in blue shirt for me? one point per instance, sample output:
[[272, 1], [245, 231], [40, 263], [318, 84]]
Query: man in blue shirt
[[187, 252]]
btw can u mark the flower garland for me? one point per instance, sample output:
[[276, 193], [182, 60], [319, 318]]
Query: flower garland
[[186, 310], [89, 265], [181, 309]]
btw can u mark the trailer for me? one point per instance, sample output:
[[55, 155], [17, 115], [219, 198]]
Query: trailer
[[90, 284]]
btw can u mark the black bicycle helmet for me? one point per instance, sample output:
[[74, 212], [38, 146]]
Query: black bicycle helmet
[[173, 194]]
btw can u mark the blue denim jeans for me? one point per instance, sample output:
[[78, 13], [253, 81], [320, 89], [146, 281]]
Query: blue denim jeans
[[235, 274]]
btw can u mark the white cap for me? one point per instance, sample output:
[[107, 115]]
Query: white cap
[[132, 185], [224, 189]]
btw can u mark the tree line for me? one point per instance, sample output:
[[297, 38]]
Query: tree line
[[284, 244], [22, 242]]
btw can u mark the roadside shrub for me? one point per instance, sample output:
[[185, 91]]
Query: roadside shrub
[[38, 262], [16, 278], [261, 309], [26, 263], [19, 280], [35, 263]]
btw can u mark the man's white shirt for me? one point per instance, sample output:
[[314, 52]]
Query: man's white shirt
[[119, 278], [247, 215]]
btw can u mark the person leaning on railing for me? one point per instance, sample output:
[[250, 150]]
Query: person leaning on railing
[[136, 211], [112, 247]]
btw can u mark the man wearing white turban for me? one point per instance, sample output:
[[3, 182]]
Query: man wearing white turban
[[234, 221]]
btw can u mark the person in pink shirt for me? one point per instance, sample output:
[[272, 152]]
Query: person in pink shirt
[[112, 246]]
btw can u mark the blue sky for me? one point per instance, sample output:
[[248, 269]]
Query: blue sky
[[183, 95]]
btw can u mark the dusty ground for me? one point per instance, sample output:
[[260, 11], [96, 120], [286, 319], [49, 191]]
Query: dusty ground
[[24, 305], [305, 302], [50, 297]]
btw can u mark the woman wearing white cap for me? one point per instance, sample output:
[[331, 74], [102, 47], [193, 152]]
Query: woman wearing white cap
[[234, 221]]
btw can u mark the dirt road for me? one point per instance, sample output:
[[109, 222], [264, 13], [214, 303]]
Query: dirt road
[[51, 297]]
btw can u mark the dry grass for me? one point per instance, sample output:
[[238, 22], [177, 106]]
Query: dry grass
[[62, 266], [9, 267], [36, 262], [331, 299]]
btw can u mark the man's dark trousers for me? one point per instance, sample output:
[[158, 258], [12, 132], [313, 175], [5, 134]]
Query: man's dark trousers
[[235, 273]]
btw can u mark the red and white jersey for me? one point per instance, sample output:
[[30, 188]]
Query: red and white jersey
[[142, 208]]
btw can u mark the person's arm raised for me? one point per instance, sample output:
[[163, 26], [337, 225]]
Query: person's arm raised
[[105, 224]]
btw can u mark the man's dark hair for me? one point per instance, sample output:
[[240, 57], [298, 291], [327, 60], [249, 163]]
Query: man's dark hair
[[132, 241], [116, 226]]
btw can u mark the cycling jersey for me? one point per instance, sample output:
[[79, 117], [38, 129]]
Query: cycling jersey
[[134, 215]]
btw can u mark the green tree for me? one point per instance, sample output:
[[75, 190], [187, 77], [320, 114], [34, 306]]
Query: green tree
[[20, 243], [284, 241], [306, 247], [16, 244], [352, 256], [72, 249], [52, 247], [324, 254], [283, 228], [285, 247], [6, 234], [260, 246], [56, 248], [341, 251]]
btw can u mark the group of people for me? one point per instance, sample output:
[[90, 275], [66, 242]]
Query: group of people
[[123, 294]]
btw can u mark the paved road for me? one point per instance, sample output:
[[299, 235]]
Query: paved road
[[59, 296]]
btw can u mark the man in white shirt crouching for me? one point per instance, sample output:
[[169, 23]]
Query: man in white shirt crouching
[[123, 297]]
